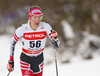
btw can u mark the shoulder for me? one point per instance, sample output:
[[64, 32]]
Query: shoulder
[[47, 27], [21, 28]]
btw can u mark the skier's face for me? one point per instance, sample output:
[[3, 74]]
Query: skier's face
[[36, 20]]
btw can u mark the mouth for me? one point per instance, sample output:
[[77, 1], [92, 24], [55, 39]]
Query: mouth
[[36, 23]]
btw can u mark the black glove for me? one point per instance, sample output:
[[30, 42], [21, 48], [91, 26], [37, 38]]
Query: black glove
[[10, 66]]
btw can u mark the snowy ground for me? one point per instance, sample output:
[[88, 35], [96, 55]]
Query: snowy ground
[[77, 67]]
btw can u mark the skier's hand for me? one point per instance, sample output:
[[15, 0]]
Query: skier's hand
[[10, 66], [54, 34]]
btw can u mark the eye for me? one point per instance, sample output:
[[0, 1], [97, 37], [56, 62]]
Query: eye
[[39, 17]]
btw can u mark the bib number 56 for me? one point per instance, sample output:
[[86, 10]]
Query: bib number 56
[[36, 44]]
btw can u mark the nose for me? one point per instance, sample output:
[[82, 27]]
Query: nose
[[37, 20]]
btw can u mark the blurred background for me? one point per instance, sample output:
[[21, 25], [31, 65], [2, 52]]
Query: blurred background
[[76, 21]]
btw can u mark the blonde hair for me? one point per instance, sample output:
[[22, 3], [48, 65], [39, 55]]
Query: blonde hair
[[32, 7], [35, 6]]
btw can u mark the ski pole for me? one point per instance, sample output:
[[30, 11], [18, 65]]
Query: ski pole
[[8, 73], [56, 61], [55, 55]]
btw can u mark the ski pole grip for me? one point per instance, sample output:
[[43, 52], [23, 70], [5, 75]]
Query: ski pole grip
[[54, 37]]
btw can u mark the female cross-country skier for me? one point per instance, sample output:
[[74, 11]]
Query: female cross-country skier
[[33, 34]]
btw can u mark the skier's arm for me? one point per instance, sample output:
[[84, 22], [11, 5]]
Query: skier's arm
[[12, 48], [53, 36], [14, 40]]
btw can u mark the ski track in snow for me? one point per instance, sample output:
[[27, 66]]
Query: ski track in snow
[[77, 67]]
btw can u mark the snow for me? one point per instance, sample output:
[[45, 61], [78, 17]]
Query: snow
[[77, 66]]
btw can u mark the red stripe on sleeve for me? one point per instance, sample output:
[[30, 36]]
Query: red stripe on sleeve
[[15, 36], [49, 34], [51, 37], [11, 58], [59, 44]]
